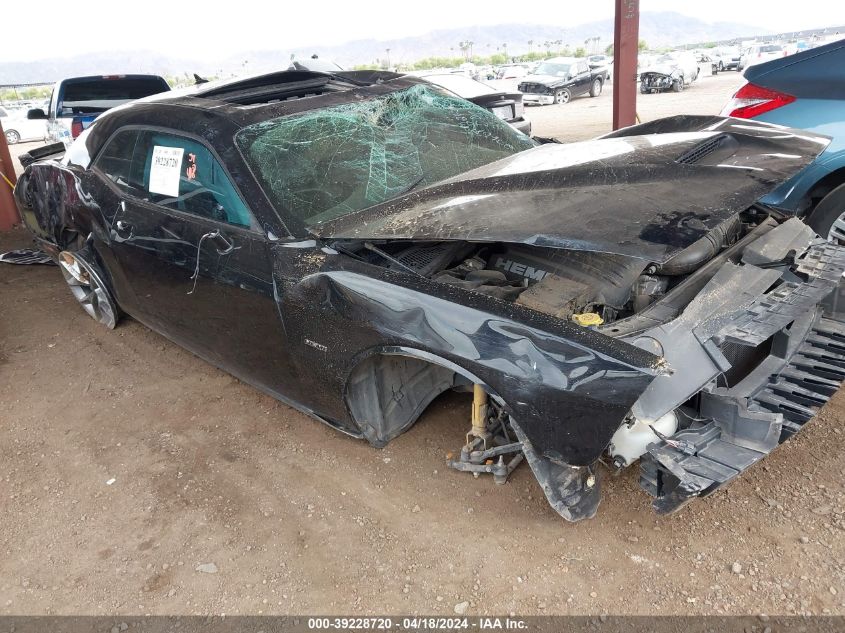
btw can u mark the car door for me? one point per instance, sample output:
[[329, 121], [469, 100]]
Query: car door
[[190, 260], [581, 83]]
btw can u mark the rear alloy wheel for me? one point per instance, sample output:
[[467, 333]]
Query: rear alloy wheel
[[88, 288], [12, 137], [595, 89], [828, 218], [562, 96]]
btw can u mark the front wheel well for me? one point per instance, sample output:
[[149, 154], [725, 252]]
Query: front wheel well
[[387, 391]]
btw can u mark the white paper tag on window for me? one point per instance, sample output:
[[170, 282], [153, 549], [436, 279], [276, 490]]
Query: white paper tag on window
[[165, 170]]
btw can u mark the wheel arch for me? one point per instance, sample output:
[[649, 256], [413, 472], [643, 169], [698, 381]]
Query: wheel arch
[[824, 186], [389, 387]]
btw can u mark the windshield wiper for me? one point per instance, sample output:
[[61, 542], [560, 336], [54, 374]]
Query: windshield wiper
[[375, 249], [411, 186]]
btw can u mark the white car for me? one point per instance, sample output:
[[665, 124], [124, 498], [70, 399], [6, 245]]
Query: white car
[[672, 71], [726, 58], [759, 53], [508, 77], [19, 129], [686, 61]]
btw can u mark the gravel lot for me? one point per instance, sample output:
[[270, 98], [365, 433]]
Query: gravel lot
[[135, 478]]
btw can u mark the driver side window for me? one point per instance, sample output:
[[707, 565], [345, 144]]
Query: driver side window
[[182, 174]]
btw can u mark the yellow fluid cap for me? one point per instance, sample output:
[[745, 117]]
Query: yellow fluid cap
[[587, 319]]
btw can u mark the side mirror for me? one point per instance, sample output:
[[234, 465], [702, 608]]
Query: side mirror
[[36, 113]]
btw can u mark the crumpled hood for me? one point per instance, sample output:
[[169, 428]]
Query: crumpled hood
[[546, 80], [661, 69], [648, 191]]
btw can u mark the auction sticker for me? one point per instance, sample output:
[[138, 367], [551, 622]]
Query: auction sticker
[[165, 170]]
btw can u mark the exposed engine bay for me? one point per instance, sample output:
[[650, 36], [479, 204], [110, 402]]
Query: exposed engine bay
[[747, 356], [566, 284]]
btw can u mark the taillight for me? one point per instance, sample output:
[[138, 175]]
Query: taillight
[[76, 128], [752, 100]]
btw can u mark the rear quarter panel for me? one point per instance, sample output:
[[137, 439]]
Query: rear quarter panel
[[824, 116], [52, 203]]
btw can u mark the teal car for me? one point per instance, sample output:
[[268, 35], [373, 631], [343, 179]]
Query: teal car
[[805, 90]]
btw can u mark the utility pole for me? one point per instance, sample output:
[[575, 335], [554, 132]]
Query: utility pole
[[9, 216], [625, 50]]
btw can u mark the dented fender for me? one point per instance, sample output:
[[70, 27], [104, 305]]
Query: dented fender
[[568, 387]]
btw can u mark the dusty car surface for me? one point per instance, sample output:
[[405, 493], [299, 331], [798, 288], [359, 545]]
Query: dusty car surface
[[355, 244]]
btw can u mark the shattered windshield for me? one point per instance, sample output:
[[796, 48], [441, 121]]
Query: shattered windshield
[[326, 163], [555, 70]]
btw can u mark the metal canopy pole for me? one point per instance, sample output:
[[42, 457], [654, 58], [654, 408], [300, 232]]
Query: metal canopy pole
[[9, 216], [626, 33]]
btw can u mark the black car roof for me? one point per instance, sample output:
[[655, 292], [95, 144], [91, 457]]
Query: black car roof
[[216, 111], [253, 99]]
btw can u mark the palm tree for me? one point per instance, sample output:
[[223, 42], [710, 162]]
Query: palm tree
[[466, 48]]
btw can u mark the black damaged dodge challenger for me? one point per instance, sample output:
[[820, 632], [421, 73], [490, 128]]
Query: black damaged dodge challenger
[[355, 244]]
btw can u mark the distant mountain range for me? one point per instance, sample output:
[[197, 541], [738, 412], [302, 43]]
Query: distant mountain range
[[658, 29]]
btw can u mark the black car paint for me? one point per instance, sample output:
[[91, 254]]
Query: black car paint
[[288, 313]]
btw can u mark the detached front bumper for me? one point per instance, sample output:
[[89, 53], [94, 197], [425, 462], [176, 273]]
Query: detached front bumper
[[781, 354], [534, 98]]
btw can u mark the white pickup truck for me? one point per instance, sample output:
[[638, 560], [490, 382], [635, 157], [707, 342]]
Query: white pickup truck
[[77, 101]]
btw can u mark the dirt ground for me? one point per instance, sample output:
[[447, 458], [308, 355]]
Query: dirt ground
[[135, 478]]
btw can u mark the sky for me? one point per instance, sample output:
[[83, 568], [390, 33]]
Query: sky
[[214, 29]]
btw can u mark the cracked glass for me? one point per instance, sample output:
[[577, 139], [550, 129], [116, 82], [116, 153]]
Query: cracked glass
[[327, 163]]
